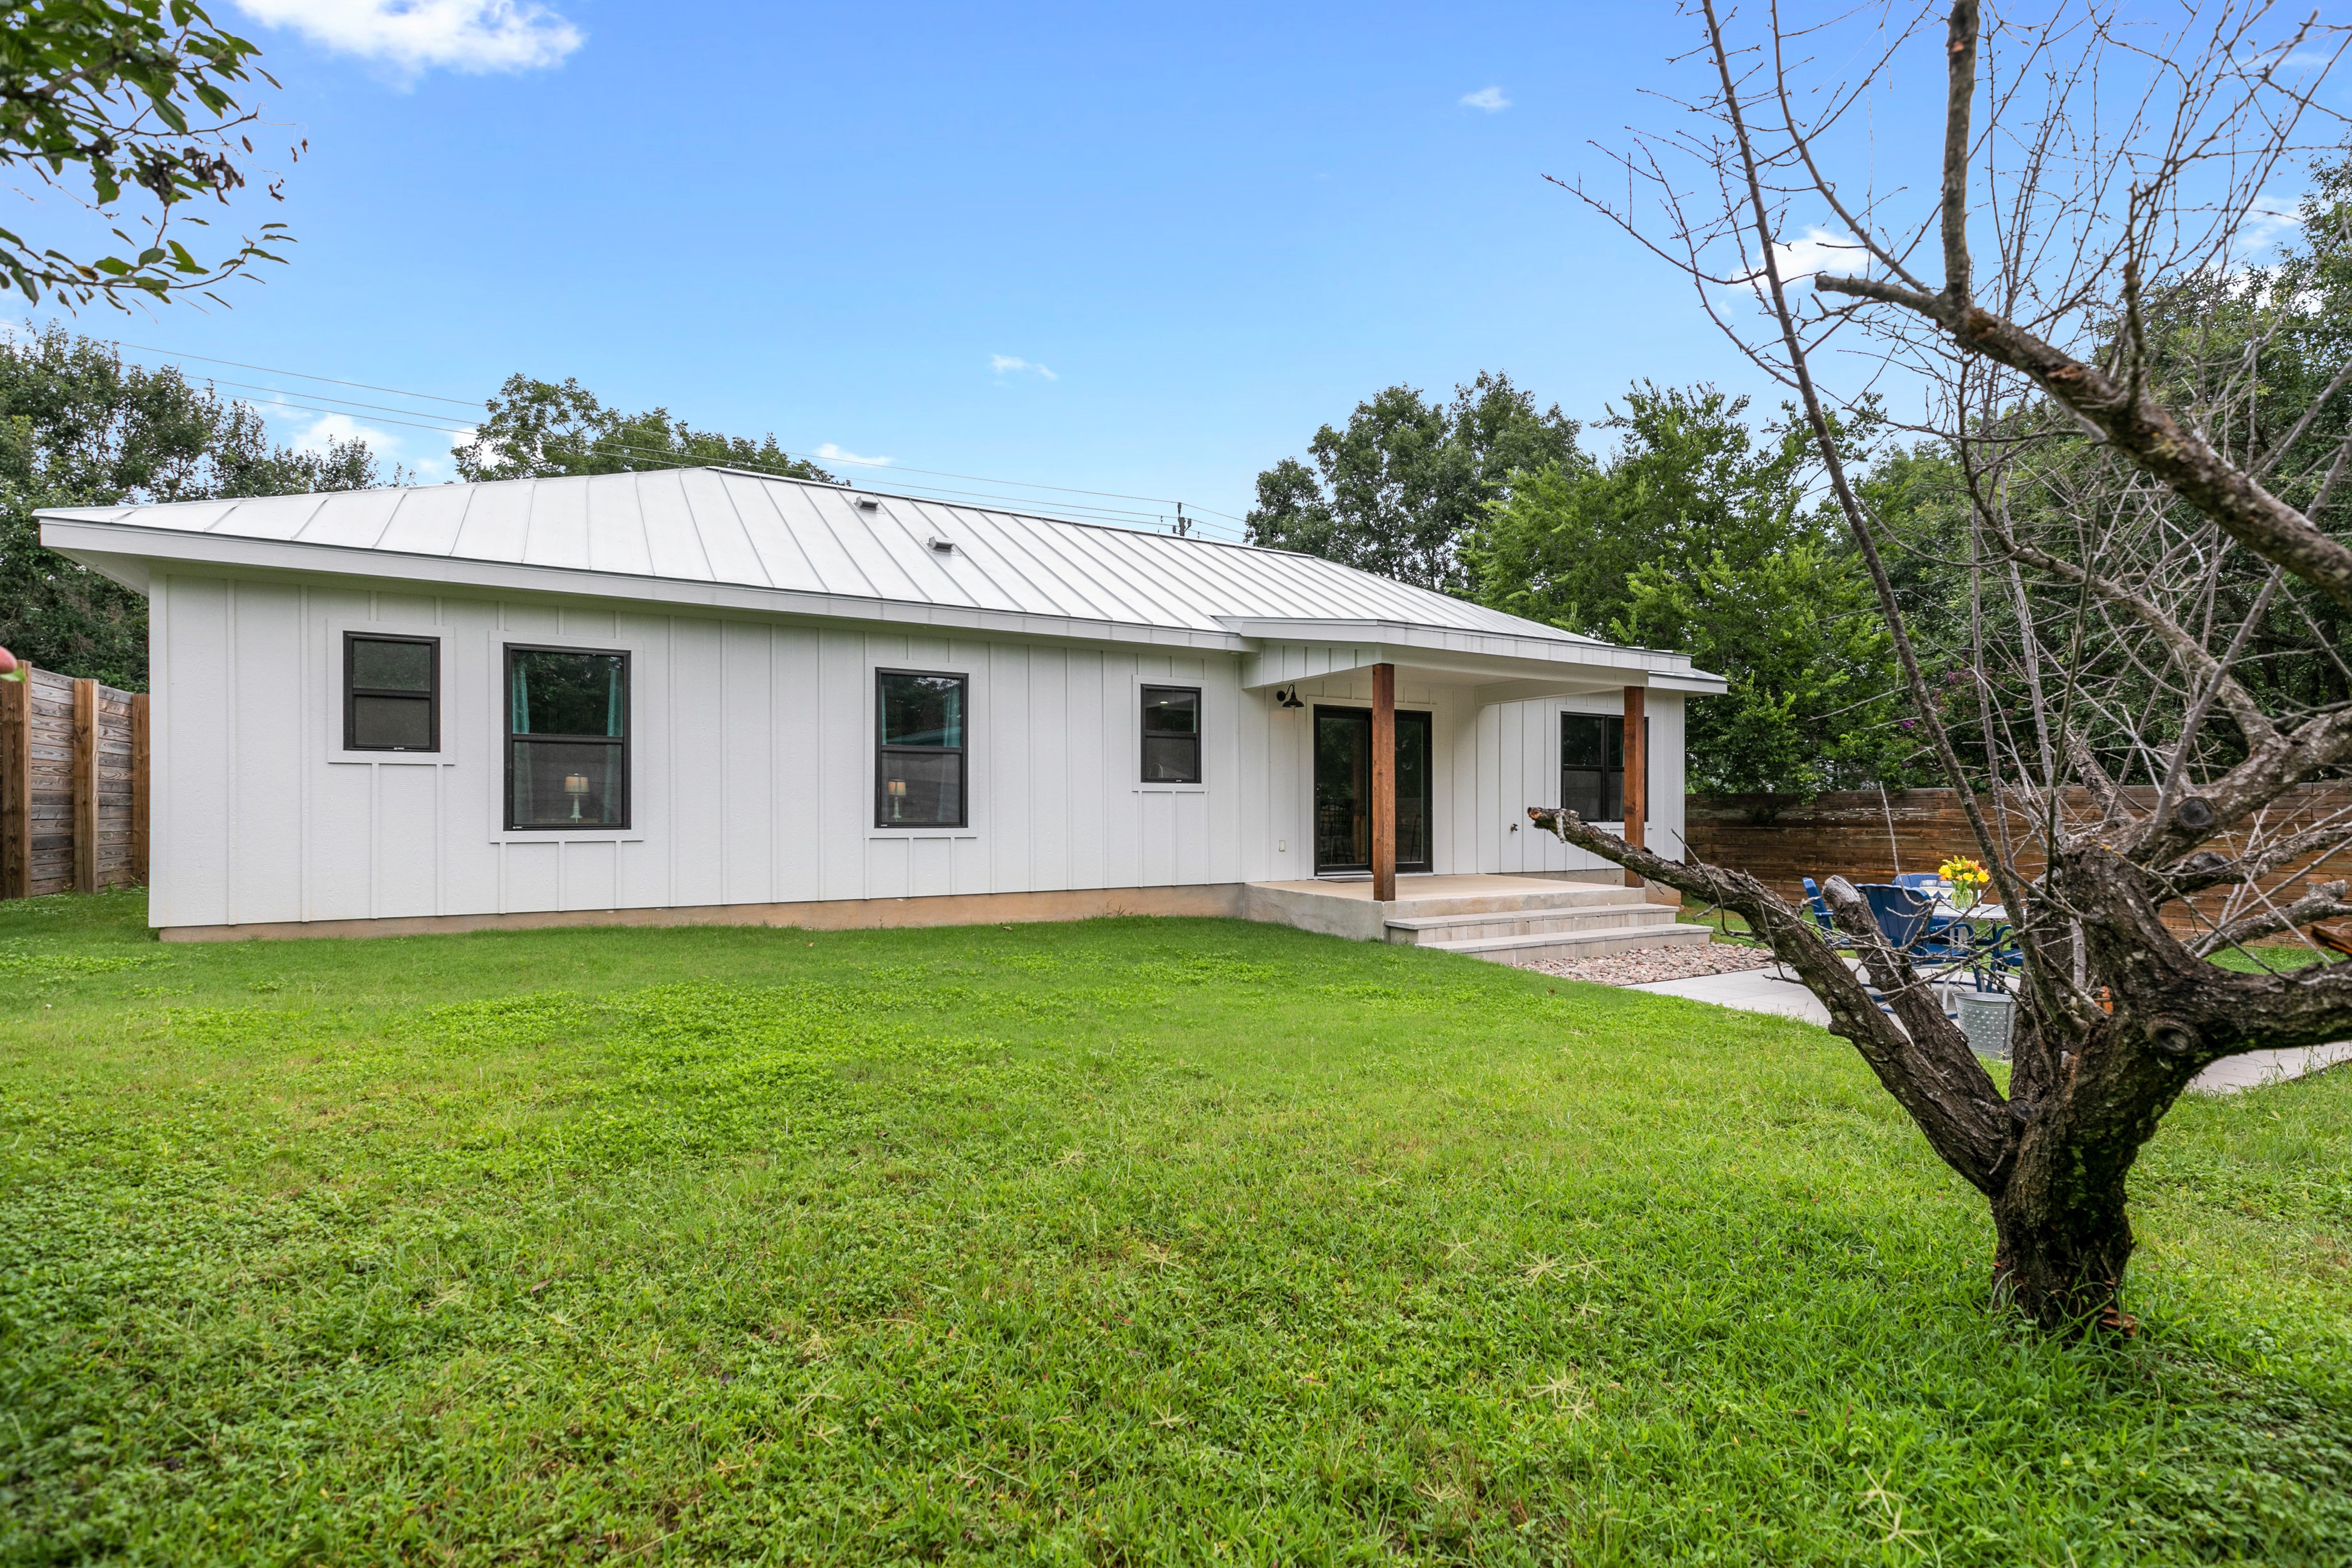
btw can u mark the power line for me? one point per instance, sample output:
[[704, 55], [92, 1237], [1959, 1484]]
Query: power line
[[394, 416]]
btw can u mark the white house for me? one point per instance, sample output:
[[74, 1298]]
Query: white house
[[710, 695]]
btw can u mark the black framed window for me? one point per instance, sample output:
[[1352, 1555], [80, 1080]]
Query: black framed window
[[1592, 765], [391, 693], [567, 738], [919, 765], [1172, 734]]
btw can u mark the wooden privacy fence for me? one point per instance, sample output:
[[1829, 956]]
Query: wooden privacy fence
[[1864, 837], [73, 786]]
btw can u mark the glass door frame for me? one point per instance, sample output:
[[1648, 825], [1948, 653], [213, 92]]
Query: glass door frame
[[1421, 719]]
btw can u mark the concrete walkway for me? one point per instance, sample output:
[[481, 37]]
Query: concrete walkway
[[1756, 991]]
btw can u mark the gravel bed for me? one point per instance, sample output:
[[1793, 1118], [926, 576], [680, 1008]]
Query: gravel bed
[[1642, 965]]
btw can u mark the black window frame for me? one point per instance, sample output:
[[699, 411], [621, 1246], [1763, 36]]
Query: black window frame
[[1143, 748], [1614, 731], [352, 692], [626, 743], [962, 752]]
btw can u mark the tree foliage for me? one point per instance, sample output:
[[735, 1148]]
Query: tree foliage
[[104, 99], [537, 429], [79, 427], [1698, 536], [1397, 490]]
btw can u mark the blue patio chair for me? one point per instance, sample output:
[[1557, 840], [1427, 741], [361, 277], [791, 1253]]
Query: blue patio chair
[[1918, 882], [1900, 912], [1821, 913]]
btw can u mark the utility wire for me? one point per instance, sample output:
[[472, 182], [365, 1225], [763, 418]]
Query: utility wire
[[421, 417]]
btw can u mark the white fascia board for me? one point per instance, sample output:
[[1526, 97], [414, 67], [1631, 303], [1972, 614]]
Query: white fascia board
[[1421, 638], [89, 542], [1697, 682]]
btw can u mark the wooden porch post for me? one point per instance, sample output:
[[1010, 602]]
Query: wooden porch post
[[1637, 774], [1383, 782], [142, 800], [84, 786]]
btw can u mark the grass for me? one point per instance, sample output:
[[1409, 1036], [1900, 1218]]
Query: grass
[[1122, 1242]]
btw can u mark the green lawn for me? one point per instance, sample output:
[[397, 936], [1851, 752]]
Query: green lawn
[[1125, 1242]]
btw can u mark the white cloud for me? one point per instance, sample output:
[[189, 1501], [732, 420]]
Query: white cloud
[[1818, 252], [425, 455], [1008, 364], [413, 34], [1489, 99], [324, 431], [2269, 220], [833, 453]]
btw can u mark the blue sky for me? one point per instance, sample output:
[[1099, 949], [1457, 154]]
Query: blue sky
[[1213, 227]]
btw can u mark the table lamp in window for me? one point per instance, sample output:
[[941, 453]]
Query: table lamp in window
[[896, 790], [576, 786]]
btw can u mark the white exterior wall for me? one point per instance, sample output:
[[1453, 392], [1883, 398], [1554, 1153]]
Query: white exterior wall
[[752, 766], [1513, 751]]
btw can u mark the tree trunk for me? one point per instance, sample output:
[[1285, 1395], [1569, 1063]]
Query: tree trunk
[[2062, 1262]]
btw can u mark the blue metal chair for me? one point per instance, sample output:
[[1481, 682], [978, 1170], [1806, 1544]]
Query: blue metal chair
[[1902, 913], [1918, 882], [1819, 909]]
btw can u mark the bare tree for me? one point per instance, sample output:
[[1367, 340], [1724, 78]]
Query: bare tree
[[2149, 540]]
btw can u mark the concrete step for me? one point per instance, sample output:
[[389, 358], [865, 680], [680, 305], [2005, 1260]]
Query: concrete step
[[1540, 896], [1427, 929], [1541, 946]]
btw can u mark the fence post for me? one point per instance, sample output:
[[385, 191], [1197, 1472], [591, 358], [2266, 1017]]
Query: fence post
[[141, 801], [17, 787], [84, 786]]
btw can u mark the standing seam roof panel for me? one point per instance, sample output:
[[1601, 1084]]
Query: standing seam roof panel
[[764, 531]]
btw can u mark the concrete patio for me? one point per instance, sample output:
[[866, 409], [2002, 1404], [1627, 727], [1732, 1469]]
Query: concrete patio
[[1758, 991]]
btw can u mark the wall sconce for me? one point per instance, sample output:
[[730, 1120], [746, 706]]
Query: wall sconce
[[1287, 697]]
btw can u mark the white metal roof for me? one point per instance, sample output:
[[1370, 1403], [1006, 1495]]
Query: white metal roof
[[823, 549]]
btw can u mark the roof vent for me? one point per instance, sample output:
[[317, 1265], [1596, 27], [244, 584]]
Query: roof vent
[[868, 503], [943, 547]]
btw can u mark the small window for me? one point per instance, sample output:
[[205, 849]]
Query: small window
[[919, 773], [1592, 766], [567, 738], [1172, 734], [391, 693]]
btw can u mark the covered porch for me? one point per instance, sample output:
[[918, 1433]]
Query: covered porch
[[1413, 753]]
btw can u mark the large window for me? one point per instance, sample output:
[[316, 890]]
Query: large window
[[1592, 766], [567, 738], [918, 766], [391, 693], [1172, 734]]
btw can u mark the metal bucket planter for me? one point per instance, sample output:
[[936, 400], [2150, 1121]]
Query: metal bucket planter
[[1986, 1018]]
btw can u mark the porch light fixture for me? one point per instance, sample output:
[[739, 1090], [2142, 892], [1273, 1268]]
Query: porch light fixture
[[1288, 698]]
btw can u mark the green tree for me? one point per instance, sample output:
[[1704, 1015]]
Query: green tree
[[536, 429], [1698, 535], [1397, 490], [1812, 698], [79, 427], [104, 99]]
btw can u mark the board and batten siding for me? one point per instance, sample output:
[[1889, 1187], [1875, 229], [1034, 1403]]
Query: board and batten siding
[[1515, 757], [752, 766]]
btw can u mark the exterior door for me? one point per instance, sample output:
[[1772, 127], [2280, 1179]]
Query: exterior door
[[1343, 791]]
